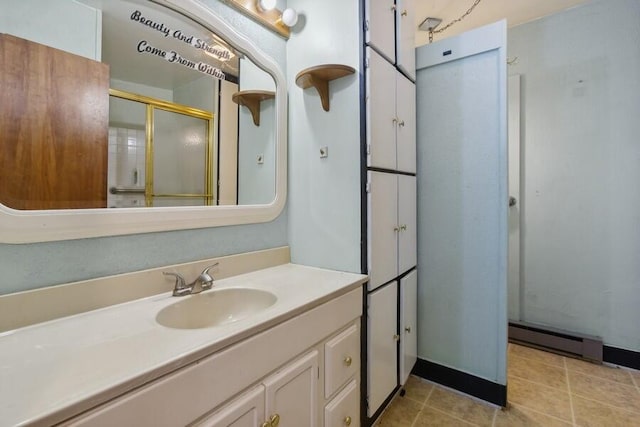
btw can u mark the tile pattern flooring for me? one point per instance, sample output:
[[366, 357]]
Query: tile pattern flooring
[[544, 389]]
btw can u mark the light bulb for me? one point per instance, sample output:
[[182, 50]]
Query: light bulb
[[289, 17], [267, 4]]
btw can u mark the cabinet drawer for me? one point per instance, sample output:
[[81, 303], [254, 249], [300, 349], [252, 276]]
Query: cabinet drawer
[[344, 410], [342, 359]]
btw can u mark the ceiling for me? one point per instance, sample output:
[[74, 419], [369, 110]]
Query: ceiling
[[487, 11]]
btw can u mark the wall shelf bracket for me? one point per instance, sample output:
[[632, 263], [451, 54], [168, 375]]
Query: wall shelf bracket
[[252, 99], [320, 76]]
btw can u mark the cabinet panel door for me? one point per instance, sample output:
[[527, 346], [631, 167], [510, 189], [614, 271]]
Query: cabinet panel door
[[382, 345], [341, 359], [244, 411], [408, 324], [405, 37], [380, 32], [381, 112], [344, 409], [292, 393], [406, 136], [382, 229], [407, 218]]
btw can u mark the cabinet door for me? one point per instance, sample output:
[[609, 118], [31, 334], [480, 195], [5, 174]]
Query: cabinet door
[[244, 411], [408, 324], [292, 393], [382, 345], [380, 27], [406, 129], [381, 112], [344, 409], [405, 37], [383, 228], [407, 218]]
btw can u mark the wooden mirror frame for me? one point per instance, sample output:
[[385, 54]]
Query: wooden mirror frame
[[18, 226]]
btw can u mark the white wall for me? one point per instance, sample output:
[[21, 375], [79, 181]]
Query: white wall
[[256, 181], [65, 25], [581, 168], [324, 194]]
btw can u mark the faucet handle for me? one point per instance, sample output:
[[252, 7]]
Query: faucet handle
[[180, 288], [206, 280], [206, 270]]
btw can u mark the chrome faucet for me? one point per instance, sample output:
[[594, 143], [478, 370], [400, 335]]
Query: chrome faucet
[[204, 280]]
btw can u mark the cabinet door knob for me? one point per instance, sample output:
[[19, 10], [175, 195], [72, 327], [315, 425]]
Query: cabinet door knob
[[348, 360], [403, 227], [347, 420], [408, 329], [404, 13], [393, 8], [274, 420], [396, 229], [396, 337], [401, 123]]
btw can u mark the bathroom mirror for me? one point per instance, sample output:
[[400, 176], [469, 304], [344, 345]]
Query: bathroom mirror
[[129, 116]]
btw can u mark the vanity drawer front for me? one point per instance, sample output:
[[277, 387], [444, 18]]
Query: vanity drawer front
[[342, 359], [344, 409]]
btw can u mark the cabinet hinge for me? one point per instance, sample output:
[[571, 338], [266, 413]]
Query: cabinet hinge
[[367, 187], [366, 25], [366, 63], [368, 148], [318, 372]]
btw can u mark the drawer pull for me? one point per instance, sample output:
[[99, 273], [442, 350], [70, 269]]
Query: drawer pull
[[347, 421], [274, 420], [347, 360]]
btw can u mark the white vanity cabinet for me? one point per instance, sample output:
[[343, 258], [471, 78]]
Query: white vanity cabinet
[[287, 397], [304, 371], [389, 28], [392, 221], [391, 116]]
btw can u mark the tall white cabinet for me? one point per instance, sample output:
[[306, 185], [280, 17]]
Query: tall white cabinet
[[390, 103]]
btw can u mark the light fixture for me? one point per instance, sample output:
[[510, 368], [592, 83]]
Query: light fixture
[[289, 17], [266, 5], [430, 24]]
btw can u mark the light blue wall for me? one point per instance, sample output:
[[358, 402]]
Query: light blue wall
[[33, 266], [580, 201], [324, 194]]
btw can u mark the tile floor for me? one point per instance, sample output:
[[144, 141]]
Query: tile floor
[[544, 389]]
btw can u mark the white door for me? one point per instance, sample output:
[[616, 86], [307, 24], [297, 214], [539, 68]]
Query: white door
[[292, 393], [513, 277], [382, 345], [463, 200], [381, 112], [244, 411], [405, 37], [408, 324], [406, 125], [380, 27], [407, 222], [382, 228]]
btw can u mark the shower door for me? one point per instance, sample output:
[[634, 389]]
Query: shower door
[[180, 169]]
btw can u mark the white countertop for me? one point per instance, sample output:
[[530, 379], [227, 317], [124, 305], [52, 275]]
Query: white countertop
[[54, 370]]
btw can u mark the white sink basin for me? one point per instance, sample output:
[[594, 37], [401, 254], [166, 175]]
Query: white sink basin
[[214, 308]]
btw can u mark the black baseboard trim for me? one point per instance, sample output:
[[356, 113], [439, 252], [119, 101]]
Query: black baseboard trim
[[461, 381], [622, 357]]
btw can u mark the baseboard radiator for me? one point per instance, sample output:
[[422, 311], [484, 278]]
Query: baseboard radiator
[[556, 340]]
